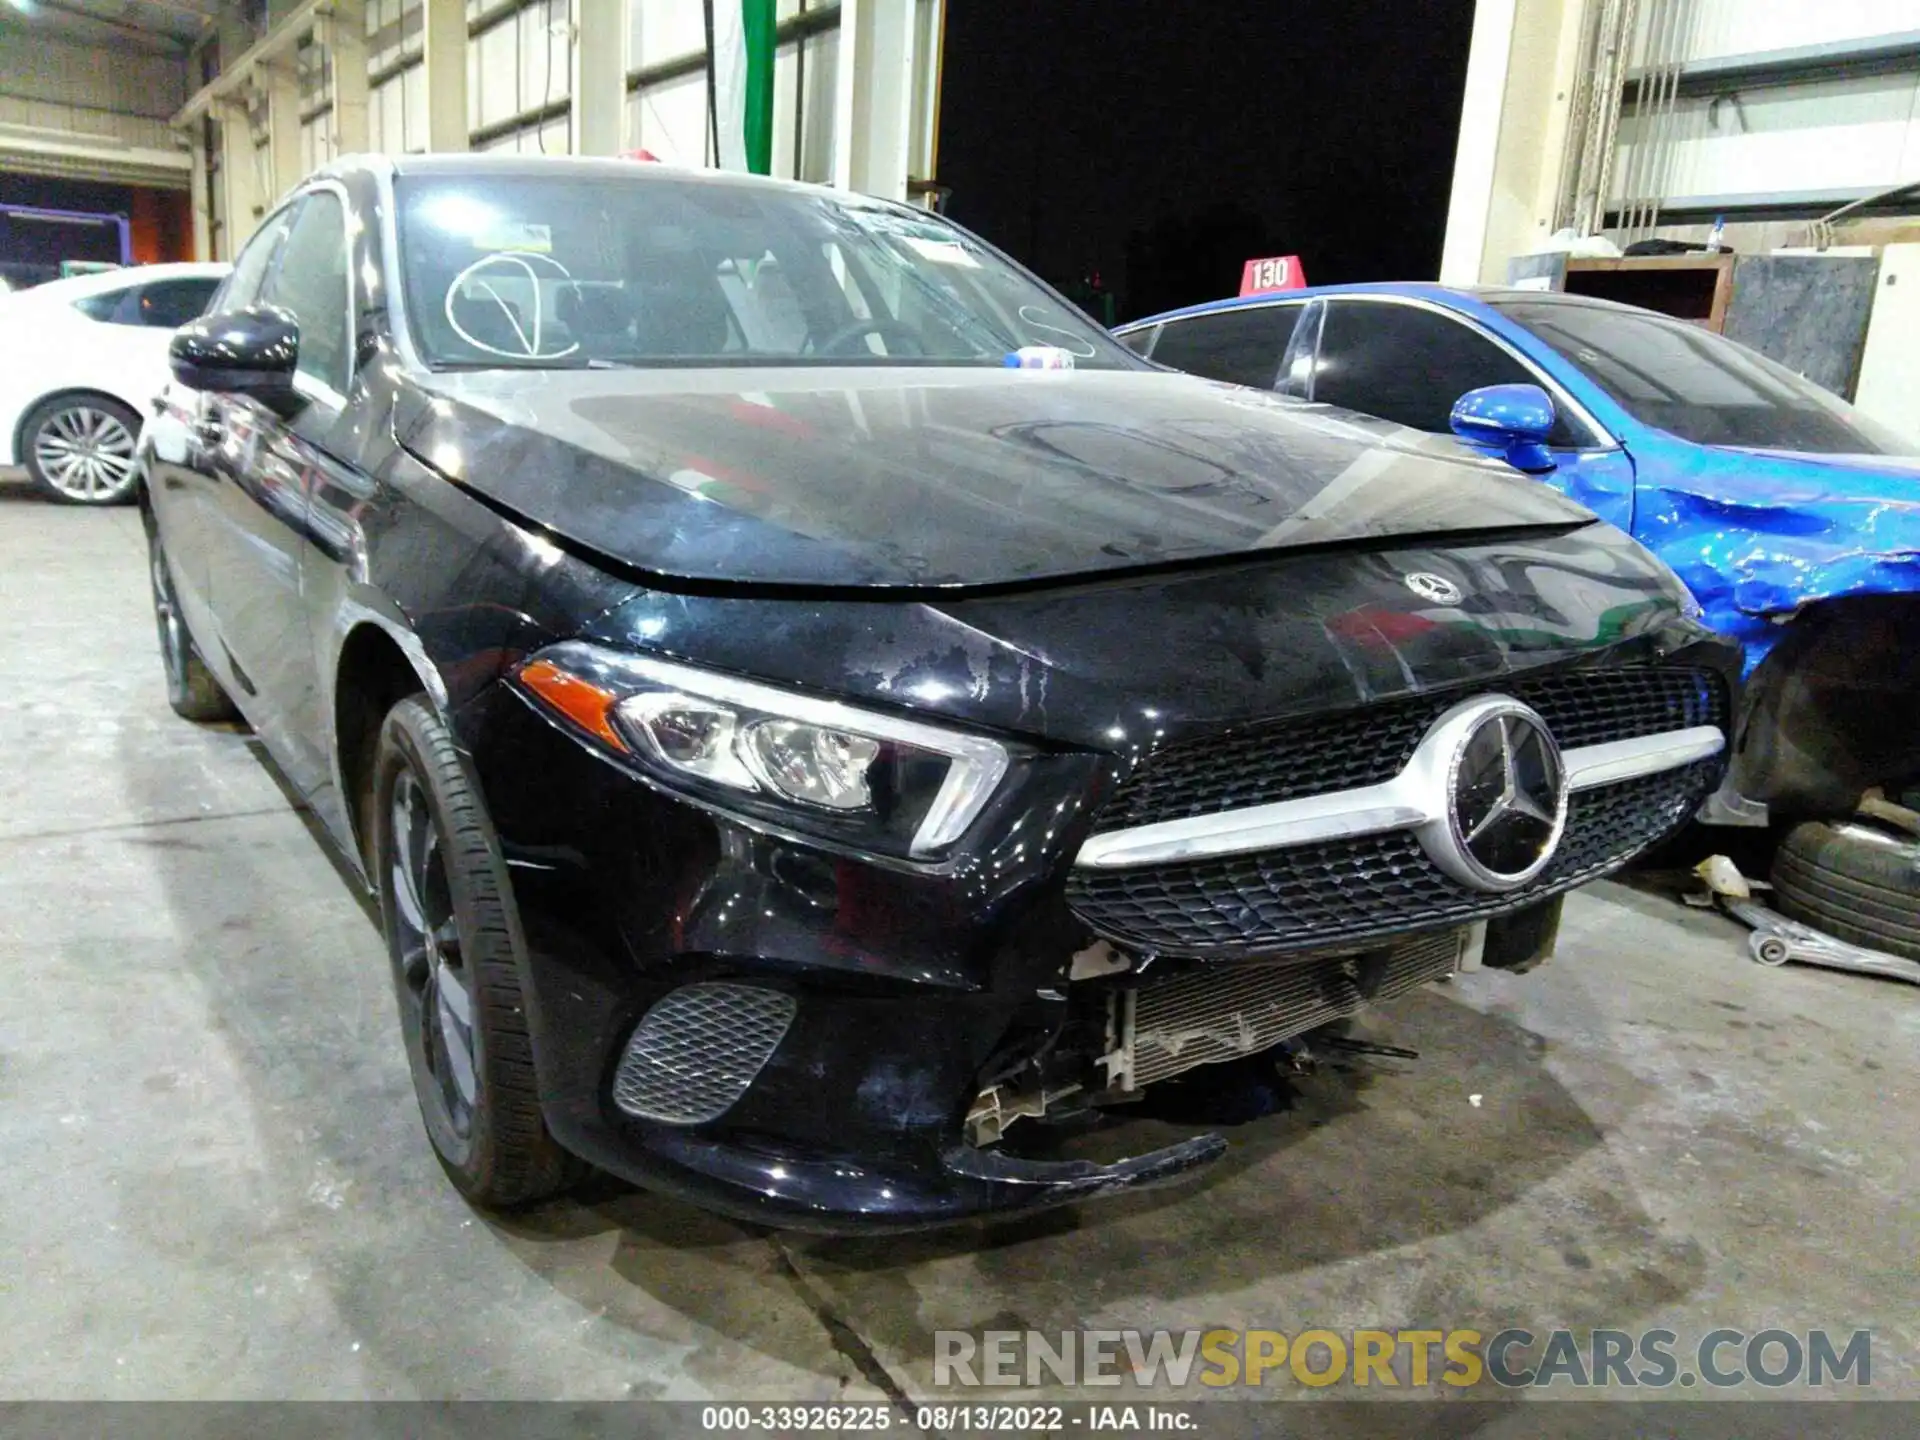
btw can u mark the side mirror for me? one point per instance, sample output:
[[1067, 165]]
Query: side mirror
[[1510, 421], [243, 352]]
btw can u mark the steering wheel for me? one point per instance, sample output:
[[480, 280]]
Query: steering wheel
[[841, 340], [519, 263]]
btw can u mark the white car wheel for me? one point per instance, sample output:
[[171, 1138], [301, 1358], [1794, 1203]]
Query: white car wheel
[[80, 449]]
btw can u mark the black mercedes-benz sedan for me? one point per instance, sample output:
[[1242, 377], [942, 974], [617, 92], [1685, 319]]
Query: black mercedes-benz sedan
[[816, 713]]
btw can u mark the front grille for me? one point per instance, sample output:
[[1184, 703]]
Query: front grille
[[1371, 886], [698, 1050], [1285, 760], [1223, 1012]]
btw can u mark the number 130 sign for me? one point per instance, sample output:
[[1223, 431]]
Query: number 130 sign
[[1277, 272]]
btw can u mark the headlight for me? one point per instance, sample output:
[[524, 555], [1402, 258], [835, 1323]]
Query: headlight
[[849, 773]]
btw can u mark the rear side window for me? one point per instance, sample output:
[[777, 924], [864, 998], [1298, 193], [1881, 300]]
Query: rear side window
[[1242, 346], [169, 304], [1139, 341], [104, 307], [1408, 364]]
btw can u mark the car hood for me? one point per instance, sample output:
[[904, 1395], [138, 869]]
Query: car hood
[[1903, 467], [1106, 664], [945, 479]]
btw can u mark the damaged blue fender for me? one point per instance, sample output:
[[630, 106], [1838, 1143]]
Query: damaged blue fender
[[1756, 534]]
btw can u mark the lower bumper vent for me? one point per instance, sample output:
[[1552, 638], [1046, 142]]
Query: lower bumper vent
[[696, 1052], [1219, 1012]]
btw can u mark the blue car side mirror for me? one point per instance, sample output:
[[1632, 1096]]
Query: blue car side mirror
[[1510, 421]]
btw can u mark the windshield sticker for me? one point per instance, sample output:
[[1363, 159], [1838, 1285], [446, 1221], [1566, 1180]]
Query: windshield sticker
[[507, 235], [941, 252]]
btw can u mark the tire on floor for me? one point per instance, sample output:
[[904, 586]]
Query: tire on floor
[[1857, 880]]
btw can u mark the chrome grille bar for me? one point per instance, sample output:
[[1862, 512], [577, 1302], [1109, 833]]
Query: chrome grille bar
[[1416, 796]]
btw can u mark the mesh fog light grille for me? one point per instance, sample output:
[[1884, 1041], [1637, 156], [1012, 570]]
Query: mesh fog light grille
[[696, 1052]]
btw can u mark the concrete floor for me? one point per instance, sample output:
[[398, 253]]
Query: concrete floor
[[218, 1186]]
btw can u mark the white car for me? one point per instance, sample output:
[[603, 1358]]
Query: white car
[[80, 363]]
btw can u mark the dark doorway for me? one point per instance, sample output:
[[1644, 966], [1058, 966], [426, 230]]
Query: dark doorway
[[1158, 147]]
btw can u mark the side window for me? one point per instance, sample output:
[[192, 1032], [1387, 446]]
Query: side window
[[311, 281], [1140, 341], [1408, 364], [243, 285], [1244, 346], [169, 304], [104, 307]]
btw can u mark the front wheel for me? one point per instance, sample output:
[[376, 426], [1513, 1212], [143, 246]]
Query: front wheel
[[443, 906], [79, 449]]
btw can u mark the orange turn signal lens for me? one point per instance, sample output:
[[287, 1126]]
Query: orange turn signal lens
[[584, 703]]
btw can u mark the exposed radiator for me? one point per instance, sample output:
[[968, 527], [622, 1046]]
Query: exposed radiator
[[1216, 1012]]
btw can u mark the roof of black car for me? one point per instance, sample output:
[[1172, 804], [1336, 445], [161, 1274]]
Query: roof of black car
[[519, 165]]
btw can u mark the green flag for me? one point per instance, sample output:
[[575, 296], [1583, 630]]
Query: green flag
[[743, 83]]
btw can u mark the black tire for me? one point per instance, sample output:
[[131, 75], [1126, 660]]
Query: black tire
[[79, 449], [1857, 880], [191, 689], [444, 912]]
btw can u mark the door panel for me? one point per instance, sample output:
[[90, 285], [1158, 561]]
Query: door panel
[[265, 464], [184, 473]]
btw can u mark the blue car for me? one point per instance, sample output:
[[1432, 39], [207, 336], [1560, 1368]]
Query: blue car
[[1793, 518]]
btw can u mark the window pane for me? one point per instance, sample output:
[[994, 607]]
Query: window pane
[[100, 307], [1701, 386], [169, 304], [1409, 365], [1140, 341], [311, 281], [243, 285], [1242, 346]]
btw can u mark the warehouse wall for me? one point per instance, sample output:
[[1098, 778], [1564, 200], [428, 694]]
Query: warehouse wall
[[1753, 139], [669, 117], [520, 76], [90, 110], [521, 68], [90, 90]]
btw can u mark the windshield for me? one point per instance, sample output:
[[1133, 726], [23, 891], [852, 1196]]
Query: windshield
[[1701, 386], [560, 271]]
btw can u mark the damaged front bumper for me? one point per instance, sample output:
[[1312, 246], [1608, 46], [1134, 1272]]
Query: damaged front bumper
[[845, 1197]]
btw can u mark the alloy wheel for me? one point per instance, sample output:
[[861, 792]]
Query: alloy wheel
[[86, 454], [430, 956]]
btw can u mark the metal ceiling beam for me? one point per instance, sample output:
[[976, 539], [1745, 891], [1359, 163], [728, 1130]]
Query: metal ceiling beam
[[1894, 54], [277, 41], [173, 43]]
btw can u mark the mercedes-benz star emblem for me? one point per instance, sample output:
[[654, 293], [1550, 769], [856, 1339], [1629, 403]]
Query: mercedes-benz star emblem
[[1436, 588], [1506, 798]]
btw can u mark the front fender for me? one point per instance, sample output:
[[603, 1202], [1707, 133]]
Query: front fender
[[1756, 537]]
